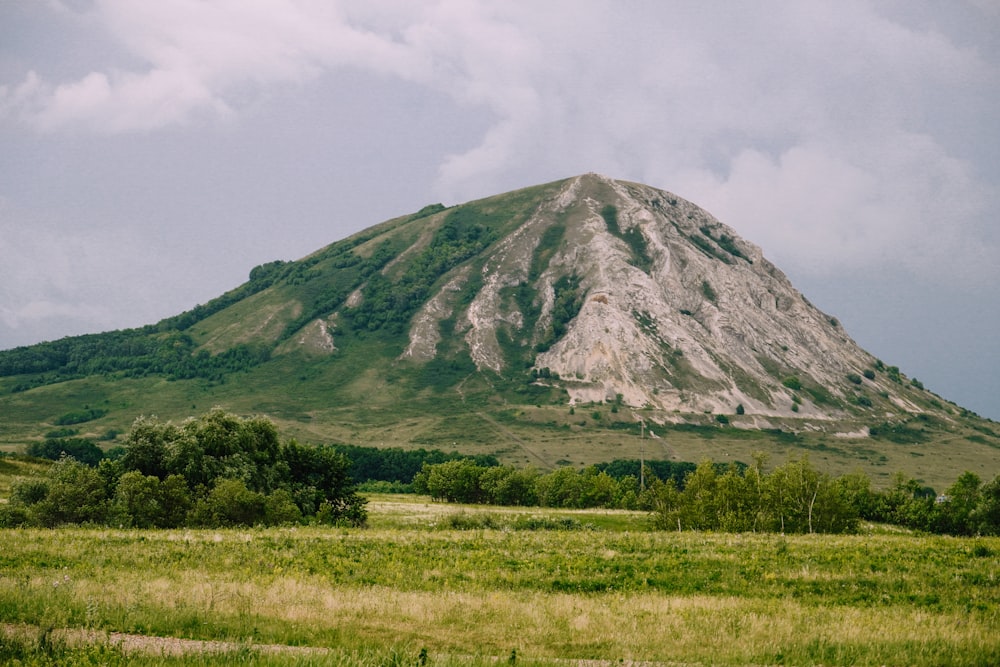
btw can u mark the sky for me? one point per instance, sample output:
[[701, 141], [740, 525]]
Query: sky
[[152, 152]]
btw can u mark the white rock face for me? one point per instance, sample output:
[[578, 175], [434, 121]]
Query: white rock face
[[676, 311]]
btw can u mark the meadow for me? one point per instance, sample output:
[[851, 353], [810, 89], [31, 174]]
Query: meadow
[[432, 583]]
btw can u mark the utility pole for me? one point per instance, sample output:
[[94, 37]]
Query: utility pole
[[642, 456]]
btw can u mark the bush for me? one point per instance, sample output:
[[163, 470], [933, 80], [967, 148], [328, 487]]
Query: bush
[[230, 503], [280, 509], [80, 416], [81, 449], [708, 291], [76, 494], [792, 383], [854, 377], [869, 373], [137, 500]]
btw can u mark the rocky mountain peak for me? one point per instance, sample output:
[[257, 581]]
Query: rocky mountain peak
[[631, 294]]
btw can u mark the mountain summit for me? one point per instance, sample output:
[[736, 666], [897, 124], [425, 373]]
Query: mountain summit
[[613, 291], [630, 293], [485, 326]]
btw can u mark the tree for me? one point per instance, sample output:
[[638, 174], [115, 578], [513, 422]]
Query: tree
[[699, 509], [318, 480], [561, 488], [146, 446], [175, 502], [81, 449], [230, 503], [506, 485], [953, 511], [986, 517], [137, 500], [76, 494], [280, 509], [454, 481]]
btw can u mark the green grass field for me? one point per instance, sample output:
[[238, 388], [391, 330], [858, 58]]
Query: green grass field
[[537, 587]]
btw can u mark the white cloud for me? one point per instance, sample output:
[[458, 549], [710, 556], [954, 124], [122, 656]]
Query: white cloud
[[824, 208], [810, 127], [200, 57]]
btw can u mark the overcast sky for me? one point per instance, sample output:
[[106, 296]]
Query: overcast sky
[[153, 151]]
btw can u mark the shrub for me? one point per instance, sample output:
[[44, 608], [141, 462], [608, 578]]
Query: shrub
[[792, 383], [230, 503], [76, 494], [869, 373], [280, 509], [81, 449], [80, 416], [708, 291], [854, 377], [137, 500], [740, 409]]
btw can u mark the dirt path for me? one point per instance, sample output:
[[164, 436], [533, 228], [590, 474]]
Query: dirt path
[[508, 433], [176, 647], [130, 643]]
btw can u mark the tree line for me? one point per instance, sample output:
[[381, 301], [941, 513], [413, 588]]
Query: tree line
[[793, 498], [214, 470], [220, 469]]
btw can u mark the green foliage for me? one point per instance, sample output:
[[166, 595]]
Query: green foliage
[[854, 378], [794, 498], [139, 501], [967, 507], [230, 503], [428, 210], [79, 416], [902, 433], [399, 465], [708, 291], [792, 383], [388, 305], [723, 248], [869, 373], [547, 246], [81, 449], [566, 306], [126, 353], [442, 373], [72, 493], [216, 470], [636, 242], [465, 482], [726, 242], [863, 401]]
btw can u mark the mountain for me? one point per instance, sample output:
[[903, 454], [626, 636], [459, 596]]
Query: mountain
[[581, 320]]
